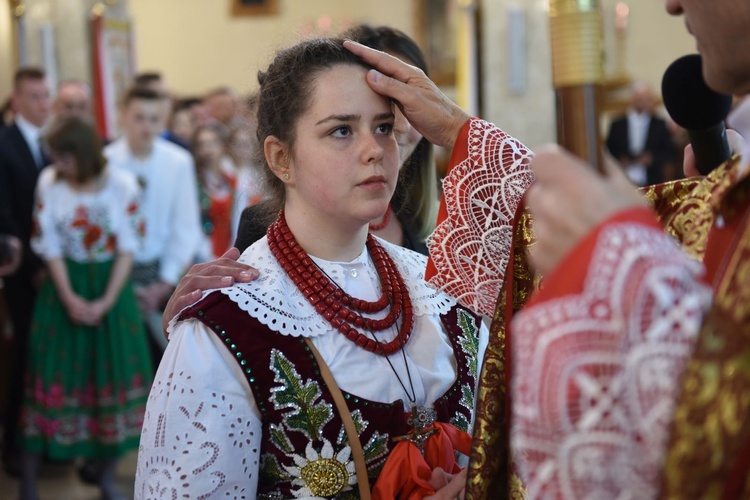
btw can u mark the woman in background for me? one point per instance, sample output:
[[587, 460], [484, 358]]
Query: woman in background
[[242, 148], [89, 366], [216, 185]]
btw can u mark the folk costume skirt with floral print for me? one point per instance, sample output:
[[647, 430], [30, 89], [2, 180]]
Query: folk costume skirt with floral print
[[85, 388]]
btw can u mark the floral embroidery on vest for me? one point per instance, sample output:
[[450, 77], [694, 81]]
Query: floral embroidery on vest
[[468, 340], [305, 450]]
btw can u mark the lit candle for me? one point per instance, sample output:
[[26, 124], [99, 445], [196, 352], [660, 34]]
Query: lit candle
[[621, 17]]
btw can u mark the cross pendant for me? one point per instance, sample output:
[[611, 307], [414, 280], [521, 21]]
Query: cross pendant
[[421, 420]]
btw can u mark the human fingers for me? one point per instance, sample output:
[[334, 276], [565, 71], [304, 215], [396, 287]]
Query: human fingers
[[14, 261], [426, 108], [78, 314], [453, 489], [736, 142], [385, 63], [176, 304], [615, 174], [221, 273], [689, 166], [553, 165], [551, 238], [439, 478], [223, 267]]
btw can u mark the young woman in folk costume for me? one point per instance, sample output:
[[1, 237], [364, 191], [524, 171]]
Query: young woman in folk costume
[[242, 403], [88, 364], [216, 190], [413, 209]]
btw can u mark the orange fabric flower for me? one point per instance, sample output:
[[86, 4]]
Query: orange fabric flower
[[406, 473]]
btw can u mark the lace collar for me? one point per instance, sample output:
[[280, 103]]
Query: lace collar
[[277, 303]]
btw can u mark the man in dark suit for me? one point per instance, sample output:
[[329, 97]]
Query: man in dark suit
[[21, 159], [640, 141]]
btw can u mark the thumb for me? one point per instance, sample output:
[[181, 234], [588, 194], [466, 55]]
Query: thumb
[[385, 85]]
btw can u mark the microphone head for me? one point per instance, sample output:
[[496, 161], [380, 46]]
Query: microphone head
[[689, 101]]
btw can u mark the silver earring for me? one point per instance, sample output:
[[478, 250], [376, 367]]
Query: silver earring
[[286, 176]]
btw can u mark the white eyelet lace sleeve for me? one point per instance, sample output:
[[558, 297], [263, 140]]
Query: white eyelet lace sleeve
[[471, 246], [201, 433]]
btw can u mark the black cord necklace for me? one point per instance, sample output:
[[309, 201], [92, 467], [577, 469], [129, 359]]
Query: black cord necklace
[[421, 417]]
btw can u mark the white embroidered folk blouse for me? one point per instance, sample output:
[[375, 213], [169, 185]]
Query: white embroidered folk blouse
[[86, 226], [202, 430]]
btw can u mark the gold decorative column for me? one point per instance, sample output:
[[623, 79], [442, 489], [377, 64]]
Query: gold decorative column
[[466, 58], [577, 72]]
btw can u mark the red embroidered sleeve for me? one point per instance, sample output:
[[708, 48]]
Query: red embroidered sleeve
[[598, 355], [470, 246]]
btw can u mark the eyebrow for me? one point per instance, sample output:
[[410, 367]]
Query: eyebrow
[[351, 118]]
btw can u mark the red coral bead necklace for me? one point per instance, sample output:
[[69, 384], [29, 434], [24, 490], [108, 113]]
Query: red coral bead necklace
[[340, 309]]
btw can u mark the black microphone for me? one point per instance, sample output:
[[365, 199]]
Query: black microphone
[[699, 110]]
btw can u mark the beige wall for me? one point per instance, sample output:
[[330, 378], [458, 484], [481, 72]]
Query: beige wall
[[198, 45], [654, 39], [6, 55]]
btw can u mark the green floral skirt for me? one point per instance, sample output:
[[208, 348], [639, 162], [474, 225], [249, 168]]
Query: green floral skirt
[[86, 387]]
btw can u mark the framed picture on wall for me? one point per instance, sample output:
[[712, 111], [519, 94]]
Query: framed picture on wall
[[254, 7]]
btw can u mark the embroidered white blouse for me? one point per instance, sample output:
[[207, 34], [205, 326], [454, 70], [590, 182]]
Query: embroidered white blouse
[[202, 431], [86, 226]]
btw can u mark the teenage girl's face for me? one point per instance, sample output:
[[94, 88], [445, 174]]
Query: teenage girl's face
[[406, 135], [65, 164], [344, 164], [208, 147]]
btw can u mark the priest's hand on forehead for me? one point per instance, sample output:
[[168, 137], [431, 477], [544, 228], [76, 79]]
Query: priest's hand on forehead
[[428, 110]]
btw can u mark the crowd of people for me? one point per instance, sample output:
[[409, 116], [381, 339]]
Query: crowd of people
[[330, 362], [95, 237]]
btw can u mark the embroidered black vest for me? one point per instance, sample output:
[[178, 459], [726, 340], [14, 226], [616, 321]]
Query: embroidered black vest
[[302, 432]]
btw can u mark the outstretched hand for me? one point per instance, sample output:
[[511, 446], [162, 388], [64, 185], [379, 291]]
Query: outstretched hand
[[219, 273], [447, 486], [690, 168], [568, 199], [428, 110], [13, 262]]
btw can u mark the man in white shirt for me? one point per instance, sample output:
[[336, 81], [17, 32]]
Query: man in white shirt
[[169, 205], [21, 159]]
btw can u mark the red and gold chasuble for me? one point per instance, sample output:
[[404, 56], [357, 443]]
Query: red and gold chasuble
[[477, 254], [633, 361]]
